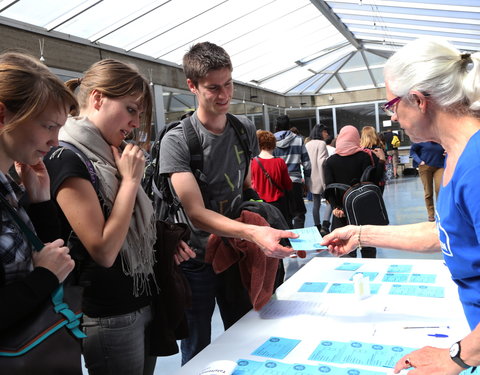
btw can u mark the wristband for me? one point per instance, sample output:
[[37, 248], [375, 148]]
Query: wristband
[[359, 247]]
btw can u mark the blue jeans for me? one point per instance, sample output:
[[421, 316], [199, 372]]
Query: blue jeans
[[228, 291], [117, 345]]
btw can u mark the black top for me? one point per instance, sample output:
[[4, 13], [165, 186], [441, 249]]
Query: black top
[[22, 297], [108, 291], [349, 169]]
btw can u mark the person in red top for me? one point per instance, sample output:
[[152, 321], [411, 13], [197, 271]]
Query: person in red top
[[270, 176]]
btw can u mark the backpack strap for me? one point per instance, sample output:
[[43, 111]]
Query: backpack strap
[[88, 163], [242, 135], [196, 151], [367, 174]]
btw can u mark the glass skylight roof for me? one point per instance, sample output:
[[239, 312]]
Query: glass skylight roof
[[293, 47]]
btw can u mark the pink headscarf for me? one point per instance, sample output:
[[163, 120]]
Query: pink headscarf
[[348, 141]]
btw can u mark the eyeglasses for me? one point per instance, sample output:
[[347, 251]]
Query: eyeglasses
[[389, 107]]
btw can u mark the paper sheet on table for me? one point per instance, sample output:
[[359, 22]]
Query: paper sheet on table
[[359, 353], [401, 268], [418, 290], [276, 347], [248, 367], [275, 309], [349, 266], [309, 239], [422, 278], [224, 367]]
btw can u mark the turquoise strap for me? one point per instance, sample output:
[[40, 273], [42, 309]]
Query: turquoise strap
[[61, 307]]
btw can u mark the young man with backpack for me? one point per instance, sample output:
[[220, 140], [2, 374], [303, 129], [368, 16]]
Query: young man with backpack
[[210, 197]]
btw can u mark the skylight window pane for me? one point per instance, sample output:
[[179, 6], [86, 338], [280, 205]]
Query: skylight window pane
[[373, 59], [39, 13], [442, 2], [355, 62], [148, 27], [417, 32], [273, 60], [284, 82], [359, 79], [331, 62], [316, 86], [93, 20], [191, 32], [311, 85], [379, 10], [385, 23], [331, 86], [378, 76], [394, 14]]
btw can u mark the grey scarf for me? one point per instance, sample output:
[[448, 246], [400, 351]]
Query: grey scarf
[[137, 251]]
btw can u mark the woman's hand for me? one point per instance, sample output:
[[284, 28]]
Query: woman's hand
[[35, 180], [342, 240], [338, 212], [380, 153], [130, 163], [428, 361], [56, 258], [183, 253]]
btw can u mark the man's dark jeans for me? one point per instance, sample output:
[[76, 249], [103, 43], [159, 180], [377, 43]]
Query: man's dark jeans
[[297, 205], [231, 296]]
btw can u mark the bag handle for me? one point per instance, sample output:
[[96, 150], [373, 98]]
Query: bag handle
[[72, 319], [257, 159]]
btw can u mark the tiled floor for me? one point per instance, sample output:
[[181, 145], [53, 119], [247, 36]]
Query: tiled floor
[[405, 205]]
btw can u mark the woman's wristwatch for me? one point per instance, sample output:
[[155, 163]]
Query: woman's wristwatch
[[455, 351]]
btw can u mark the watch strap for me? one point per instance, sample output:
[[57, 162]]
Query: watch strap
[[456, 358]]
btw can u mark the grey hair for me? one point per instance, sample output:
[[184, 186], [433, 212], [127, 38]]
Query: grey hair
[[434, 66]]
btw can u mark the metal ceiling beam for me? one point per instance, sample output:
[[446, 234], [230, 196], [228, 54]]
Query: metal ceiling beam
[[335, 74], [374, 81], [7, 4], [415, 5], [137, 43], [328, 13], [71, 14], [132, 18], [444, 28], [415, 17]]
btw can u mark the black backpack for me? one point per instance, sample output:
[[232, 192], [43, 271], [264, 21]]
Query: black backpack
[[362, 203], [158, 186]]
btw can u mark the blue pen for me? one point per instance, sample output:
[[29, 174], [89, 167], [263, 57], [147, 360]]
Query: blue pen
[[437, 335]]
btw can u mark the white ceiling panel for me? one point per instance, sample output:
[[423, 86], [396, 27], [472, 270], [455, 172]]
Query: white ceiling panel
[[292, 47]]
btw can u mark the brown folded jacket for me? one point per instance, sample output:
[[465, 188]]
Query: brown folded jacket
[[256, 269]]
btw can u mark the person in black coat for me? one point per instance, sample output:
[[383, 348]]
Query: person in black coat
[[346, 166]]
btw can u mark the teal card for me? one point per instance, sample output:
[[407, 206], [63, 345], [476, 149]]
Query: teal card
[[276, 347], [313, 287]]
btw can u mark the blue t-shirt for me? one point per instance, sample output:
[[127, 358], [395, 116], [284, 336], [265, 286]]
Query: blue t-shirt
[[458, 223]]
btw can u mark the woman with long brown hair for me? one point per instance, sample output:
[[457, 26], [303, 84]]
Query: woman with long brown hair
[[112, 224], [34, 105]]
